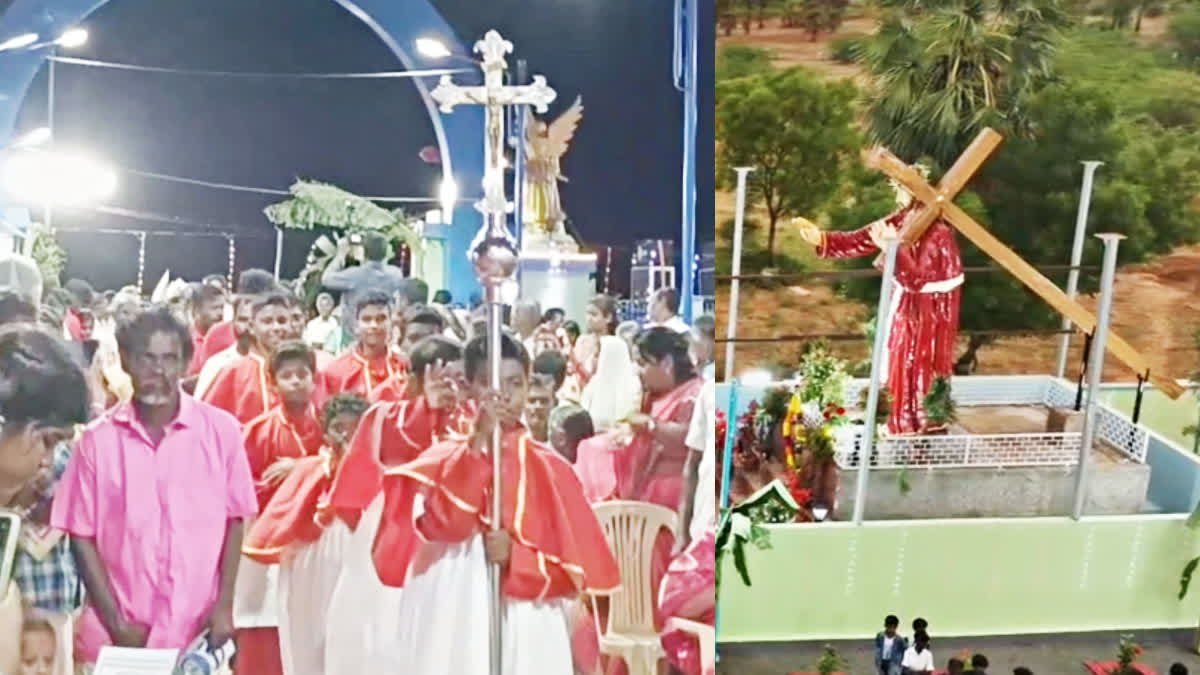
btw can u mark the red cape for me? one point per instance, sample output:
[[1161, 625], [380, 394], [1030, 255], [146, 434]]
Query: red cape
[[352, 373], [218, 338], [558, 547], [390, 433], [296, 514], [243, 389], [275, 435]]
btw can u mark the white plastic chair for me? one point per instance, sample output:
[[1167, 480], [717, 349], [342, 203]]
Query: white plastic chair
[[705, 634], [631, 528]]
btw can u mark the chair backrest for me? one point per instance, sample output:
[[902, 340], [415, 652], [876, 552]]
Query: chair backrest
[[631, 528]]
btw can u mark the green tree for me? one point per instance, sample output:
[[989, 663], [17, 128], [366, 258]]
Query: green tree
[[795, 130], [1184, 29], [740, 61], [943, 69]]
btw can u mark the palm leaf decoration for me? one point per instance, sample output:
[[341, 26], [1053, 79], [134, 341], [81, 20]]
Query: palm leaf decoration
[[315, 204]]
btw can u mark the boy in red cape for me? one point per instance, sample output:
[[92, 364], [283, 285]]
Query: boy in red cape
[[435, 539], [370, 362], [288, 430], [297, 532], [244, 388], [362, 631]]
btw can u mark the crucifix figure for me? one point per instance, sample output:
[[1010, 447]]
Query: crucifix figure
[[930, 221]]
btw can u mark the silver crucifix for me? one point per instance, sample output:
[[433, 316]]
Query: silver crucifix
[[494, 251]]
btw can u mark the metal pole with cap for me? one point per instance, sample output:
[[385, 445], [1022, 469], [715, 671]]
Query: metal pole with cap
[[892, 245], [494, 251], [1095, 368], [739, 222], [1085, 201]]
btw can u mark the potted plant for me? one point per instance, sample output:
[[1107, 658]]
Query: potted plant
[[940, 411], [830, 663], [1127, 653]]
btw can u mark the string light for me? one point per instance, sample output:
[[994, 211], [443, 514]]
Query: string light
[[232, 259], [607, 268], [141, 275]]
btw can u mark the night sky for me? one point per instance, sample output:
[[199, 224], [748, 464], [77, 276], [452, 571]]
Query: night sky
[[624, 164]]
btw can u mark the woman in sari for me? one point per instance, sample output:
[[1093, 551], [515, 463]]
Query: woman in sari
[[650, 463]]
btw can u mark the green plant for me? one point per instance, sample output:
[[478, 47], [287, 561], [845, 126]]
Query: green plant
[[939, 403], [1127, 652], [49, 255], [734, 530], [774, 405], [736, 61], [1184, 29], [823, 376], [902, 482], [830, 661], [845, 49]]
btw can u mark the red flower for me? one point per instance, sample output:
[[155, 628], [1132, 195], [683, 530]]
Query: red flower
[[1137, 650], [841, 411], [828, 416]]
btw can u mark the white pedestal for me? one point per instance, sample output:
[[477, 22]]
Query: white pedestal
[[563, 280]]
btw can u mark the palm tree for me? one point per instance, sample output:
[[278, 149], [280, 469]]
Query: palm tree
[[943, 69]]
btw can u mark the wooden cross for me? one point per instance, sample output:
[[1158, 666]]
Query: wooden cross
[[939, 202]]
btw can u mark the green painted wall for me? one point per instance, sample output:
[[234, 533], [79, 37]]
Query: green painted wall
[[968, 577]]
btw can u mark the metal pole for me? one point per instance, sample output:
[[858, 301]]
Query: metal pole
[[1085, 202], [141, 277], [739, 221], [1095, 368], [278, 250], [881, 322], [687, 33], [47, 209]]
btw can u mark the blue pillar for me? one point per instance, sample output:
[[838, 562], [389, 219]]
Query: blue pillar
[[686, 43]]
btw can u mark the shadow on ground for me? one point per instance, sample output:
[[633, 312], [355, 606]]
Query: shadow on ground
[[1044, 654]]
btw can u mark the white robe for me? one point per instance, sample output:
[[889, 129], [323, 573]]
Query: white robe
[[307, 578], [360, 634], [445, 627]]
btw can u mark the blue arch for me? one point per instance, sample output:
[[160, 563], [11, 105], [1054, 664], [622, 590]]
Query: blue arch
[[398, 23]]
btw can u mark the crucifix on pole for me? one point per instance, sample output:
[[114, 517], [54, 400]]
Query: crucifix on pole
[[939, 203], [494, 252]]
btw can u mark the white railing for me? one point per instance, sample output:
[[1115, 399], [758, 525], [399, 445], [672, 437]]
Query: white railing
[[995, 450], [965, 450]]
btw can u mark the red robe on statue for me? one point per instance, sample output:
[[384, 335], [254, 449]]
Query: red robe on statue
[[353, 373], [923, 316], [277, 434], [558, 547], [243, 389], [390, 433]]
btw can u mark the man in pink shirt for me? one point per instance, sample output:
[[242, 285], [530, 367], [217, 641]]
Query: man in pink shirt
[[155, 498]]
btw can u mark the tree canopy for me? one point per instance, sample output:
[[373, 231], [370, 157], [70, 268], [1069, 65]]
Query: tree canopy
[[795, 130]]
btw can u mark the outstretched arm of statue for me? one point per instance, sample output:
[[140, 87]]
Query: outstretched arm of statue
[[852, 244]]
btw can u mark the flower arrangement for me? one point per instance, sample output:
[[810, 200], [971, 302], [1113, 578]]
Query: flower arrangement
[[823, 376], [1126, 653]]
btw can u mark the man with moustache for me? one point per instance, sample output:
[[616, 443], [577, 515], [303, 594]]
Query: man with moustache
[[154, 498]]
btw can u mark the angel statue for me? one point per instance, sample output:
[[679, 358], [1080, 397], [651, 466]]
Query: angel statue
[[545, 144]]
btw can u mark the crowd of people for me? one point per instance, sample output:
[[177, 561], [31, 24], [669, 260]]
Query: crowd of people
[[310, 480]]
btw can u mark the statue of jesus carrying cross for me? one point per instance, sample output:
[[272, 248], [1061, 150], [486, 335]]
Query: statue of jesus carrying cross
[[922, 322]]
